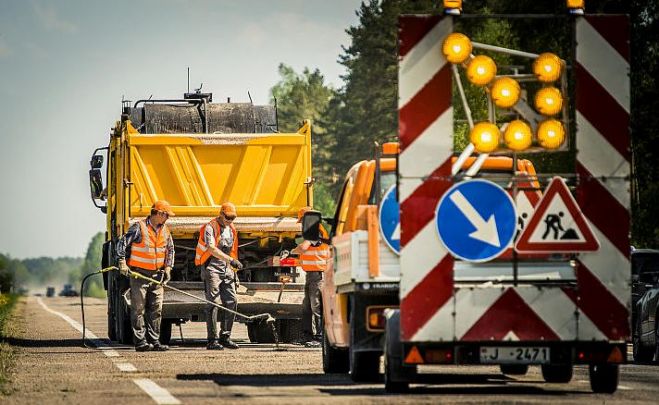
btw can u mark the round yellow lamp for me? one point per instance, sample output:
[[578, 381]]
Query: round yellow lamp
[[485, 137], [517, 135], [547, 67], [505, 92], [481, 70], [548, 101], [456, 47], [551, 134]]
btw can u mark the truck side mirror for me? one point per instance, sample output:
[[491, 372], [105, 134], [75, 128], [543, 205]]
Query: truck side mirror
[[311, 225], [96, 183], [96, 162]]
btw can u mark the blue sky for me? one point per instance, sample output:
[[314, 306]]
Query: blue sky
[[65, 66]]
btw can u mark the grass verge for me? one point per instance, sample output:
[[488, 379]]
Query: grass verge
[[7, 302]]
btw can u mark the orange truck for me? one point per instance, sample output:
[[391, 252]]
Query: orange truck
[[363, 278]]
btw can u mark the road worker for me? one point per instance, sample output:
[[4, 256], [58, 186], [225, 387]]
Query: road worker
[[313, 258], [148, 249], [216, 254]]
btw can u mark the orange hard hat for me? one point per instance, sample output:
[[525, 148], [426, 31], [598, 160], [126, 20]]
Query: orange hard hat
[[163, 206], [228, 209], [301, 213]]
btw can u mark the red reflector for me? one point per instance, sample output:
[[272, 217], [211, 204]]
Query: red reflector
[[615, 356], [439, 356], [289, 261], [581, 356], [414, 357]]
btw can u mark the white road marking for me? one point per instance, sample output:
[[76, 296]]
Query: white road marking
[[105, 349], [127, 367], [156, 392]]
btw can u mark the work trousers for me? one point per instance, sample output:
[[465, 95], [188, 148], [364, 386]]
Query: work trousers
[[145, 306], [220, 288], [311, 305]]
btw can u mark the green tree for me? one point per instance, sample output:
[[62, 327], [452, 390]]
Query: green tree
[[306, 96], [91, 263], [6, 277]]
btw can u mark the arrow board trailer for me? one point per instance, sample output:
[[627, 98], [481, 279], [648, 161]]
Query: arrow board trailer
[[466, 295]]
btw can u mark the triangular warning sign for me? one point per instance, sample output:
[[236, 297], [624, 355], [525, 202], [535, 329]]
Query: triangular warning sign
[[414, 357], [557, 224]]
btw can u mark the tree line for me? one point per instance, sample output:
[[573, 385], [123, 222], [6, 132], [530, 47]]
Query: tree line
[[348, 120]]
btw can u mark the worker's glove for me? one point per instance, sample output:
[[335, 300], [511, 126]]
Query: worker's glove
[[236, 264], [167, 275], [123, 268]]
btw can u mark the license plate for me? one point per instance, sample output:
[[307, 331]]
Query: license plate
[[514, 355]]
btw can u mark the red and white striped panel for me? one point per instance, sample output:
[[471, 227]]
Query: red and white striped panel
[[431, 308], [603, 166], [426, 141]]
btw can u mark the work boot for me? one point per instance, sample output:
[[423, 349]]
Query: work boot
[[159, 347], [213, 345], [228, 343], [143, 347]]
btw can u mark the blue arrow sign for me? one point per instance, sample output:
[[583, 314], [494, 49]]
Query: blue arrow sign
[[476, 220], [390, 220]]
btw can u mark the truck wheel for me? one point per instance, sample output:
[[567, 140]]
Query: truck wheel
[[260, 332], [290, 330], [397, 376], [514, 369], [364, 366], [166, 331], [112, 319], [334, 360], [604, 378], [642, 354], [557, 373], [124, 327]]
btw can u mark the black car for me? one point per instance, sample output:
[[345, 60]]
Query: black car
[[68, 291], [645, 304]]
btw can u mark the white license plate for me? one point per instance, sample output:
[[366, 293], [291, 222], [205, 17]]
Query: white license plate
[[514, 355]]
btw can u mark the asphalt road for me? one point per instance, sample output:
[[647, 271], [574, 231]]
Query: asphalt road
[[53, 367]]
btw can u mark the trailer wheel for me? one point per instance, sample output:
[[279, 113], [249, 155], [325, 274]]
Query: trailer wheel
[[166, 331], [557, 373], [642, 354], [604, 378], [514, 369], [397, 376], [334, 360]]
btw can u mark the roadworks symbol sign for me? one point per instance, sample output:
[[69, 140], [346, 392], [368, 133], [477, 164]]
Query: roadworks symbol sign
[[557, 225]]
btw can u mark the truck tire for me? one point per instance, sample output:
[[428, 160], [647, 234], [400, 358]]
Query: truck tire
[[514, 369], [112, 319], [290, 330], [124, 327], [364, 366], [397, 376], [604, 377], [334, 360], [642, 354], [260, 332], [557, 373], [166, 326]]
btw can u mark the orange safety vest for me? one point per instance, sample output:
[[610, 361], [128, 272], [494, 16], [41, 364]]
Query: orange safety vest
[[202, 253], [315, 258], [150, 252]]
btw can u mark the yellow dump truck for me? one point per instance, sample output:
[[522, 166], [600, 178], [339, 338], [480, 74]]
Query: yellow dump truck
[[198, 154]]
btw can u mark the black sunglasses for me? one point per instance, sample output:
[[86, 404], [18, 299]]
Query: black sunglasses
[[228, 217]]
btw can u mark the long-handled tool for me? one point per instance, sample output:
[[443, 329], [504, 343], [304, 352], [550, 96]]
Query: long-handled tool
[[264, 317], [82, 294]]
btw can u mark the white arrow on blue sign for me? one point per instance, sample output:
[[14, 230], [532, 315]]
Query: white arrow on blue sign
[[390, 219], [476, 220]]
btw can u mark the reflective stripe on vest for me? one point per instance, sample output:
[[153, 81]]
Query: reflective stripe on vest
[[202, 253], [315, 258], [150, 252]]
